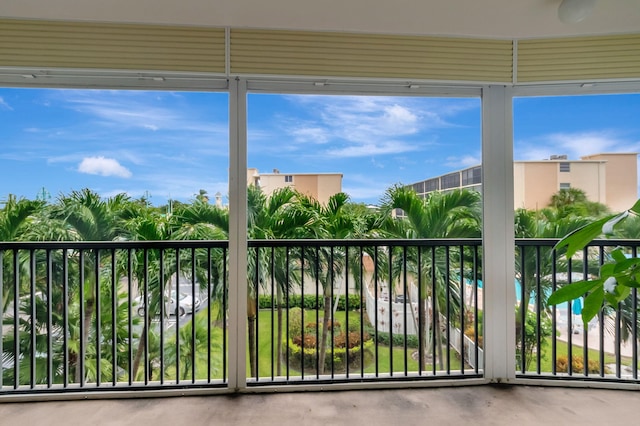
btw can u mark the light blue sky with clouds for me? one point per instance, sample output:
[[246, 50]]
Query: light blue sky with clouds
[[172, 144]]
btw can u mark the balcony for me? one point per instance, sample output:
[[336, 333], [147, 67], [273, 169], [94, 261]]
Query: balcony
[[320, 314]]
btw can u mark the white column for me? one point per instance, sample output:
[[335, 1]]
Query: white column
[[498, 234], [237, 234]]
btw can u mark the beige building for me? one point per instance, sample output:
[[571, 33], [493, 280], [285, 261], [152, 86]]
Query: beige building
[[320, 186], [608, 178]]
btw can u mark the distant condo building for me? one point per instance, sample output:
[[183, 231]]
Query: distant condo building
[[608, 178], [320, 186]]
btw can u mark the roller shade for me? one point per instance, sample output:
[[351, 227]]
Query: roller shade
[[577, 59], [52, 44], [366, 55]]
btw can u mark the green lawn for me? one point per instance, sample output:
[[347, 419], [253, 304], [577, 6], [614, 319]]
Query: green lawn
[[562, 349], [267, 349]]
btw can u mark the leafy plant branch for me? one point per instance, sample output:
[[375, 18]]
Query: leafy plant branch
[[617, 276]]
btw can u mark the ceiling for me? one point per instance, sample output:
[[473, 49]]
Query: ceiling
[[510, 19]]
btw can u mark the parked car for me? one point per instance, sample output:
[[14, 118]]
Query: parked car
[[186, 304]]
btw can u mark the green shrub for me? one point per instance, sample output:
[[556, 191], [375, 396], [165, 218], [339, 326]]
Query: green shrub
[[398, 339], [295, 322], [354, 356], [310, 301]]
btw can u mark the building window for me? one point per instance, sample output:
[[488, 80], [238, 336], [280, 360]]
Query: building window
[[565, 167], [419, 187], [431, 185], [288, 179], [452, 180], [471, 176], [564, 185]]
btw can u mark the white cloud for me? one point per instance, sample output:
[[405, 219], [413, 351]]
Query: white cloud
[[103, 166], [462, 162], [357, 126], [312, 134], [574, 145], [4, 104], [381, 148]]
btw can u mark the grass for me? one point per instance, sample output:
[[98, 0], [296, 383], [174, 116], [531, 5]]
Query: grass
[[267, 349], [562, 349]]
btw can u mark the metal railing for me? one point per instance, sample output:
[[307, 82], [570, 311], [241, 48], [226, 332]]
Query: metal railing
[[554, 343], [335, 311], [124, 315], [118, 316], [81, 316]]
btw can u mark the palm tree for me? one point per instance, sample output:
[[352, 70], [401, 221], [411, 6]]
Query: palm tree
[[277, 216], [455, 214], [337, 220], [16, 218], [90, 219]]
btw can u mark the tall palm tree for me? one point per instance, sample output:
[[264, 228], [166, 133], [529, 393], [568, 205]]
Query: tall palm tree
[[16, 218], [335, 220], [455, 214], [277, 216], [90, 218]]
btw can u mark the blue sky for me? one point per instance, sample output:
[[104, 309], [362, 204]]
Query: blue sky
[[172, 144]]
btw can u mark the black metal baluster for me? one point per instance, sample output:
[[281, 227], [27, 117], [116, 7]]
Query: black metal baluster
[[346, 307], [225, 290], [447, 283], [538, 312], [524, 304], [434, 311], [390, 289], [463, 307], [114, 319], [33, 314], [287, 295], [208, 314], [129, 314], [476, 327], [405, 299], [569, 322], [65, 317], [193, 314], [177, 313], [96, 268], [302, 273], [375, 303], [361, 312], [421, 354], [554, 335], [49, 319]]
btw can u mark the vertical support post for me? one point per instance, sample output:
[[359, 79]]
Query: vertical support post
[[498, 234], [237, 233]]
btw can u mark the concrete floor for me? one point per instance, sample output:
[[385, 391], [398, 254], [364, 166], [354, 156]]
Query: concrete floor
[[470, 405]]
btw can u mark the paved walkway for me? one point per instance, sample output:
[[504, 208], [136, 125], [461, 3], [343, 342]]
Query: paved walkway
[[471, 405]]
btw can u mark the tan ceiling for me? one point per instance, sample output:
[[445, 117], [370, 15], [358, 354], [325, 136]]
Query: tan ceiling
[[477, 18]]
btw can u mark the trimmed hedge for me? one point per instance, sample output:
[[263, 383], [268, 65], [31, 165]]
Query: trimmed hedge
[[309, 302], [398, 339]]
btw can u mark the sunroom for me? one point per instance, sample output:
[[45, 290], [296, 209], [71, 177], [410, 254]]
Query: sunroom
[[494, 54]]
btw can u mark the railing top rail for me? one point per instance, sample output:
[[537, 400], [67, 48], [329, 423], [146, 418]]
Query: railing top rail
[[423, 242], [550, 242], [435, 242], [86, 245]]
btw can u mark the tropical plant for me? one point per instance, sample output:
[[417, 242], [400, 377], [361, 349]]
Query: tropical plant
[[616, 277], [455, 214]]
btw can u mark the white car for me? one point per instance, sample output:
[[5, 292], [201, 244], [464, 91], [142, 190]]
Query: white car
[[186, 304]]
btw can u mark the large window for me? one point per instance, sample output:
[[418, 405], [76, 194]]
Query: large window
[[159, 147]]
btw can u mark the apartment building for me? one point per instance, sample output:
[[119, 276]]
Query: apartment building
[[320, 186], [607, 178]]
